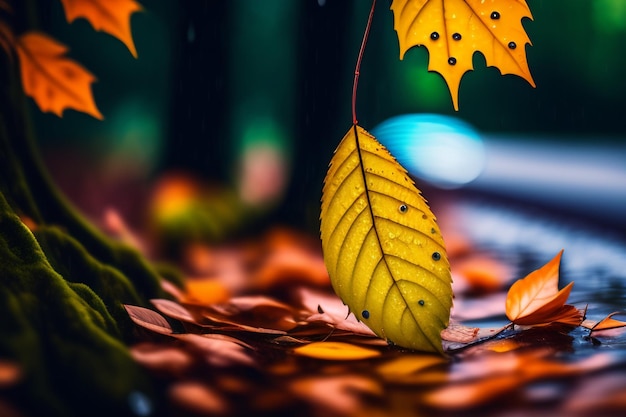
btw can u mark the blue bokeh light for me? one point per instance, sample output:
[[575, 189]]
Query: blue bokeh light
[[441, 150]]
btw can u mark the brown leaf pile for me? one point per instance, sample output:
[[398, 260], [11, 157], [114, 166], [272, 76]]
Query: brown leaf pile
[[294, 350]]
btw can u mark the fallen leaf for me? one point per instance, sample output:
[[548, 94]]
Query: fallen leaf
[[164, 359], [10, 373], [456, 332], [219, 350], [607, 323], [453, 30], [110, 16], [335, 351], [338, 395], [205, 292], [54, 81], [382, 247], [457, 336], [329, 309], [198, 398], [173, 310], [408, 364], [480, 273], [148, 319], [536, 299]]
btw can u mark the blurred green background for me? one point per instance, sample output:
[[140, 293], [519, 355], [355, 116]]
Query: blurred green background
[[218, 81]]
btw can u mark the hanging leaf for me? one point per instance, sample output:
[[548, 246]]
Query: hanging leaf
[[453, 30], [54, 81], [110, 16], [382, 247], [536, 299]]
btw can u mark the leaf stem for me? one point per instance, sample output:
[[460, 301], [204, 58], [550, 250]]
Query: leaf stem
[[357, 69]]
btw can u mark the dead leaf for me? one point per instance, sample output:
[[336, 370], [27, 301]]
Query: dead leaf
[[606, 323], [330, 309], [536, 299], [335, 351], [479, 273], [205, 292], [453, 30], [110, 16], [198, 398], [10, 373], [54, 81], [148, 319], [290, 258], [173, 310], [456, 332], [163, 359], [408, 364], [219, 350], [338, 395]]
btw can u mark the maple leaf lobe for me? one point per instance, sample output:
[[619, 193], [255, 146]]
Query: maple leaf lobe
[[109, 16], [453, 30]]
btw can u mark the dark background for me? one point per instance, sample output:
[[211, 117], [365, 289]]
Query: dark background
[[213, 77]]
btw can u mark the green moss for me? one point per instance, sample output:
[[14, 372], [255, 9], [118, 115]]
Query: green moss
[[70, 259], [61, 333]]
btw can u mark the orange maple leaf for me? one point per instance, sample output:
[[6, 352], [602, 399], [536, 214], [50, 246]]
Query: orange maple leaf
[[54, 81], [536, 299], [110, 16], [453, 30]]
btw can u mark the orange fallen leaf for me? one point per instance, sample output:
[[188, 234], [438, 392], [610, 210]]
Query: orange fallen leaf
[[54, 81], [336, 395], [536, 299], [608, 322], [335, 351], [110, 16], [453, 30], [480, 273], [205, 292]]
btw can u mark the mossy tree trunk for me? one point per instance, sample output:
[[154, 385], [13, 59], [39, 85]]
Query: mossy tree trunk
[[62, 285]]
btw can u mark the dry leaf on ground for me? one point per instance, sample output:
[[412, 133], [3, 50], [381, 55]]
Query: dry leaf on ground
[[536, 299]]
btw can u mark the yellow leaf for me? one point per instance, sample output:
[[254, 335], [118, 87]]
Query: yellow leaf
[[382, 246], [54, 81], [336, 351], [110, 16], [453, 30], [536, 299]]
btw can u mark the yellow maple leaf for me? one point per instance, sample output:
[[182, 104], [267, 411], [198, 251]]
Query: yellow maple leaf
[[536, 299], [53, 80], [453, 30], [110, 16]]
